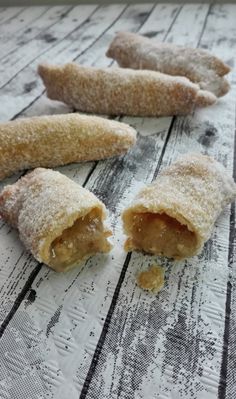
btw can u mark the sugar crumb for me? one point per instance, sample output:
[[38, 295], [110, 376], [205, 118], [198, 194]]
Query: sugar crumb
[[152, 279]]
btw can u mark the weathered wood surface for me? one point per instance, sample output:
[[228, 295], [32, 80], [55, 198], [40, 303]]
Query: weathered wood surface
[[92, 332]]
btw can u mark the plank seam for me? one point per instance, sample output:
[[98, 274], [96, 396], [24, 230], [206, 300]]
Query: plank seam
[[172, 23], [20, 298], [105, 329], [164, 148], [14, 16], [31, 22], [101, 34], [204, 25], [80, 54]]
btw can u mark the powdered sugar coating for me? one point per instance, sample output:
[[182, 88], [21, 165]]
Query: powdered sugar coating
[[134, 51], [118, 91], [42, 204], [60, 139], [193, 190]]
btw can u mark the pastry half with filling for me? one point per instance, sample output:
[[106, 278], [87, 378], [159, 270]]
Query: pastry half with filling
[[138, 52], [119, 91], [60, 222], [55, 140], [175, 215]]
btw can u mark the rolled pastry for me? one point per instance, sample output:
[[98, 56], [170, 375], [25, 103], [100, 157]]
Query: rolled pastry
[[117, 91], [134, 51], [60, 139], [59, 222], [175, 215]]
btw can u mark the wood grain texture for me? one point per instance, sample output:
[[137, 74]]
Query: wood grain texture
[[36, 20], [92, 331]]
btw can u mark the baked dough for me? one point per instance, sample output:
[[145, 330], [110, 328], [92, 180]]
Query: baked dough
[[60, 139], [138, 52], [59, 222], [118, 91], [175, 215]]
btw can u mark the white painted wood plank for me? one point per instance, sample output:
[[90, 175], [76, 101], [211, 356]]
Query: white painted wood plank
[[185, 31], [36, 22], [11, 65], [20, 22], [10, 12], [162, 16]]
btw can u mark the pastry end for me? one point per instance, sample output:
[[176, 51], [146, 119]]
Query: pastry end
[[205, 98]]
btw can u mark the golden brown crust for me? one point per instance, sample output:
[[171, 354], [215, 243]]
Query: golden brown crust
[[131, 50], [60, 139], [118, 91], [42, 204], [193, 191]]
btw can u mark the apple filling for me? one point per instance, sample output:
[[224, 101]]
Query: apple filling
[[86, 237], [161, 234], [151, 279]]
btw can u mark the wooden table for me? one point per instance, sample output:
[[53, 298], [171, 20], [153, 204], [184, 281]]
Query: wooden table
[[92, 332]]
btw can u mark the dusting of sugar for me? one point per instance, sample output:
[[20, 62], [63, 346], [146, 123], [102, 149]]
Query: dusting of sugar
[[55, 140], [41, 204], [118, 91], [194, 190], [131, 50]]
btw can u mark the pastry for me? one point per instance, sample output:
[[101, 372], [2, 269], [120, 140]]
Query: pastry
[[59, 222], [60, 139], [175, 215], [118, 91], [138, 52]]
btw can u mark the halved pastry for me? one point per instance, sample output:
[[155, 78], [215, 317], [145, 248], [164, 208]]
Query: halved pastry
[[118, 91], [131, 50], [60, 139], [175, 215], [60, 222]]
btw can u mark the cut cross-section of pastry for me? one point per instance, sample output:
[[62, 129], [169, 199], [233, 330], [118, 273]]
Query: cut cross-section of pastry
[[175, 215], [55, 140], [59, 221], [119, 91], [131, 50]]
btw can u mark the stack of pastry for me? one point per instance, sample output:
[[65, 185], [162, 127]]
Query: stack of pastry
[[62, 223]]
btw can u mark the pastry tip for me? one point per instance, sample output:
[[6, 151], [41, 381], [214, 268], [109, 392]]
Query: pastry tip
[[205, 98]]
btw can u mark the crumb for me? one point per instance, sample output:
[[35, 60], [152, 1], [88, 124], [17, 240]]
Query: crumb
[[151, 279]]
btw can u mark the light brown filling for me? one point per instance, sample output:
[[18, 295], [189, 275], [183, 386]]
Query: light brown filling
[[86, 237], [151, 279], [160, 234]]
